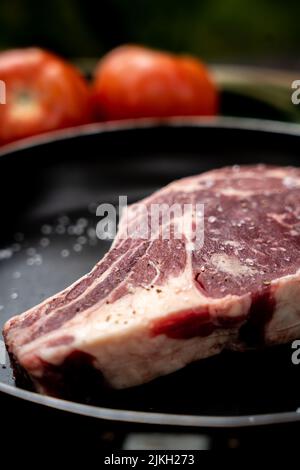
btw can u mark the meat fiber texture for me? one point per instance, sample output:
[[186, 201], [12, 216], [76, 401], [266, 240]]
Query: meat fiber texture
[[153, 305]]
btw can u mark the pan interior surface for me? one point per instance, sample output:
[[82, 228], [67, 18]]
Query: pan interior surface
[[49, 195]]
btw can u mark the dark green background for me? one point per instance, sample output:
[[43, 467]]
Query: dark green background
[[253, 31]]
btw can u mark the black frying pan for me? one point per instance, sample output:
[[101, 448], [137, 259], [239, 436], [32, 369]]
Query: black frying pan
[[49, 189]]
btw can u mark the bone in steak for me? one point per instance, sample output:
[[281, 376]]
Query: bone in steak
[[151, 306]]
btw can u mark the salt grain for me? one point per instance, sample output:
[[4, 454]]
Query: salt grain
[[71, 230], [65, 253], [44, 242], [78, 230], [190, 246], [60, 229], [290, 182], [77, 247], [38, 260], [236, 167], [64, 220], [6, 253], [46, 229], [91, 232], [82, 222]]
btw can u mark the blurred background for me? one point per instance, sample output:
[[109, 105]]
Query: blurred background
[[249, 31], [252, 45]]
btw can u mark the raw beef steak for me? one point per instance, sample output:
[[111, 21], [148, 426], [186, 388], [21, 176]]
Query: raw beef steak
[[153, 305]]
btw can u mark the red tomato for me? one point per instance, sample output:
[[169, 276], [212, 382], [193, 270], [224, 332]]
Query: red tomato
[[133, 82], [42, 93]]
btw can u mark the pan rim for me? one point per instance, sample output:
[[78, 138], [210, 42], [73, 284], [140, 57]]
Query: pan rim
[[144, 417], [152, 418], [220, 122]]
